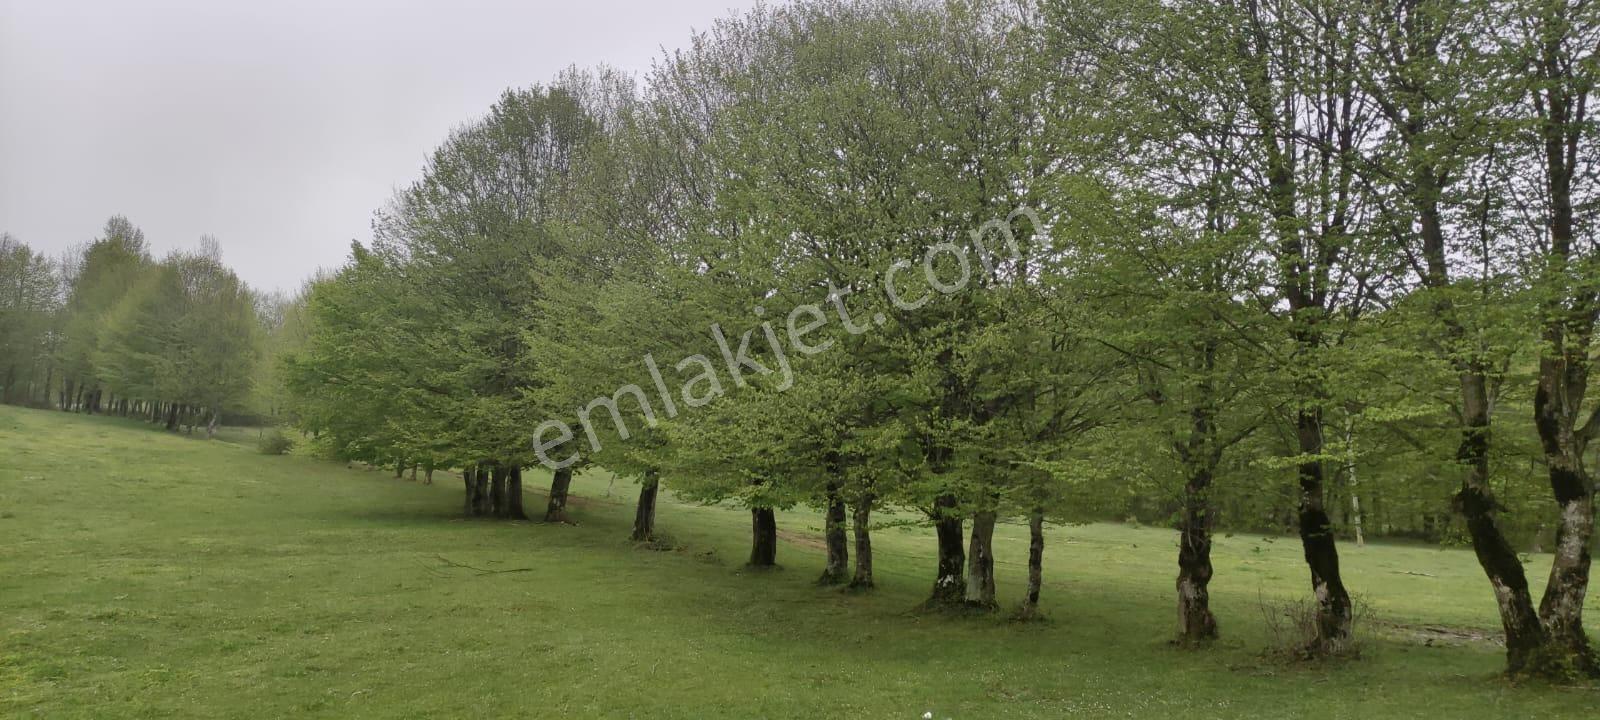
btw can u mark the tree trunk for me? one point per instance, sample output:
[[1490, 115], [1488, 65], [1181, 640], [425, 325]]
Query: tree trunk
[[763, 538], [497, 491], [981, 592], [644, 514], [1569, 334], [172, 417], [1334, 613], [1030, 598], [836, 534], [399, 468], [861, 518], [950, 585], [469, 482], [482, 500], [413, 472], [1195, 621], [1525, 635], [1561, 609], [1350, 480], [556, 511], [514, 509], [1355, 514]]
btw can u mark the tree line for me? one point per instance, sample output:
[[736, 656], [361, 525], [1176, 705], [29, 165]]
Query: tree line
[[1321, 266], [106, 328]]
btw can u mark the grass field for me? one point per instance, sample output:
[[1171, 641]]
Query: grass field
[[144, 574]]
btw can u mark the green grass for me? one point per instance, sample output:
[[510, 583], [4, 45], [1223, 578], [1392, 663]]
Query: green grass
[[144, 574]]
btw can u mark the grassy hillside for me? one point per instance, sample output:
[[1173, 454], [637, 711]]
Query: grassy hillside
[[144, 574]]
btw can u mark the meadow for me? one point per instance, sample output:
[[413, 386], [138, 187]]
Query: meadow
[[148, 574]]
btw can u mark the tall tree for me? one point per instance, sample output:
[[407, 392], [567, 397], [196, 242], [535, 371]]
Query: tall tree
[[1557, 54], [30, 299]]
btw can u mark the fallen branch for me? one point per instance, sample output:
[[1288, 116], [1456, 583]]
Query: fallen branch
[[481, 571]]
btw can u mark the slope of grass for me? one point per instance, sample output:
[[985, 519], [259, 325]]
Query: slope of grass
[[149, 575]]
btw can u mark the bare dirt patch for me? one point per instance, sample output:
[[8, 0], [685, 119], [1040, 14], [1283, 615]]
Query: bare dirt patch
[[803, 539]]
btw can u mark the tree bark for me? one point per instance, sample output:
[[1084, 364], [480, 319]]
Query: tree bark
[[644, 513], [1351, 481], [1334, 612], [1570, 317], [482, 501], [514, 509], [950, 584], [1525, 635], [836, 534], [556, 511], [861, 518], [981, 592], [763, 538], [1561, 609], [497, 491], [1195, 621], [1030, 598]]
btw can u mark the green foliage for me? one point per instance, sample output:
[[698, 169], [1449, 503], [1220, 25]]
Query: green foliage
[[186, 333], [30, 300], [108, 329], [275, 441]]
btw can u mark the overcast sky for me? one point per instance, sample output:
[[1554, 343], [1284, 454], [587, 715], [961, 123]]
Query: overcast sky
[[276, 126]]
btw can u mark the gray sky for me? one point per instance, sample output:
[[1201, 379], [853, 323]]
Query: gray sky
[[276, 126]]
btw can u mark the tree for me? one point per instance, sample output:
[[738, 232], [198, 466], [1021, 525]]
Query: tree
[[30, 300], [186, 336], [1557, 50], [109, 269]]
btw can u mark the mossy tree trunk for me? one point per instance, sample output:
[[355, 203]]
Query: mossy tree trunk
[[835, 532], [514, 509], [560, 483], [980, 591], [763, 538], [644, 513], [497, 491], [861, 524], [949, 584], [1030, 598]]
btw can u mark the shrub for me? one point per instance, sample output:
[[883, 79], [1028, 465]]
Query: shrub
[[1292, 630], [274, 441]]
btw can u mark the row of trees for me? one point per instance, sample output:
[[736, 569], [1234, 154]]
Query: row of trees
[[109, 329], [1265, 263]]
